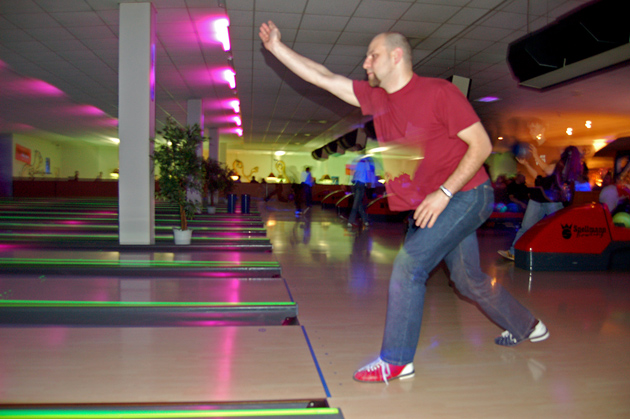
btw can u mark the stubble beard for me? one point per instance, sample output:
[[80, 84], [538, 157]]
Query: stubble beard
[[373, 80]]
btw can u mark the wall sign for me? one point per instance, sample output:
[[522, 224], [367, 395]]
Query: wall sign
[[22, 154]]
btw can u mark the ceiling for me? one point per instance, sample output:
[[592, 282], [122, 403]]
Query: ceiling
[[59, 67]]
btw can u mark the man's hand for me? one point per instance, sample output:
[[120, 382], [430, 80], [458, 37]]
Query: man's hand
[[430, 208], [269, 33]]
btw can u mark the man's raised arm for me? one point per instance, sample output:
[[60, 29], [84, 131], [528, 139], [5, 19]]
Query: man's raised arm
[[305, 68]]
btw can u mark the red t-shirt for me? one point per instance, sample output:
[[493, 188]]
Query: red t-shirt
[[419, 122]]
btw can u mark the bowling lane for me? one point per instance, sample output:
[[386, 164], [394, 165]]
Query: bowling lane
[[153, 365], [133, 301], [19, 260]]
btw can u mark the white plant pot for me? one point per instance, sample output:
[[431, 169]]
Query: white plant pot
[[212, 210], [182, 237]]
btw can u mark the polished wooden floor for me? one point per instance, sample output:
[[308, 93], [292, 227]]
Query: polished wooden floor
[[339, 280]]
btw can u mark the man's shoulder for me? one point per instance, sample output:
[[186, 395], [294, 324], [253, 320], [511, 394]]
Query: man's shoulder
[[431, 82], [417, 78]]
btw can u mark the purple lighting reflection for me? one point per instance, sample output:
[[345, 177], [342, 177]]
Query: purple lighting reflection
[[110, 122], [237, 131], [216, 274], [22, 127], [72, 222], [55, 336], [235, 286], [224, 120], [89, 110], [488, 99], [4, 247], [40, 86]]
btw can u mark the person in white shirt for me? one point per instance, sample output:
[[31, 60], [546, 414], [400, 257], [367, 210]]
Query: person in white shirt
[[362, 179]]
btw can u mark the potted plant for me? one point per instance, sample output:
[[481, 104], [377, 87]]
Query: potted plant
[[217, 179], [181, 172]]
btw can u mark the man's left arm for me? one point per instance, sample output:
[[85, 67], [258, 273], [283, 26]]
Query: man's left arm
[[479, 148]]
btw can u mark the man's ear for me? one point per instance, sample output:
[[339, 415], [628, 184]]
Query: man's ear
[[397, 54]]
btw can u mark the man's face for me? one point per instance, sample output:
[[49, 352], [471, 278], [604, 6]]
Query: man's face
[[377, 61]]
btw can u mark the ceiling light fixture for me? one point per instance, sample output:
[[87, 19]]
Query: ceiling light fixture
[[230, 77], [569, 131], [280, 153], [223, 35], [599, 144], [588, 124]]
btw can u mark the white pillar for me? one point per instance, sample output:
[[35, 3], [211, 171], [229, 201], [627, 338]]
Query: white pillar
[[213, 144], [212, 133], [195, 113], [222, 151], [195, 116], [136, 124], [6, 165]]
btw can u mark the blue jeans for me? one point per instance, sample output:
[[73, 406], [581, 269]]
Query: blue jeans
[[307, 194], [452, 238], [535, 212], [358, 190]]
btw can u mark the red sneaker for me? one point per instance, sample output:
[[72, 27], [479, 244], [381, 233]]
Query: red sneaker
[[380, 371]]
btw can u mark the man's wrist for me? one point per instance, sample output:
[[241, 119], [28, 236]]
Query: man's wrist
[[446, 192]]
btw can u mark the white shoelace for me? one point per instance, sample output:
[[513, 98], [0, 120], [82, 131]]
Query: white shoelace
[[379, 364], [507, 334]]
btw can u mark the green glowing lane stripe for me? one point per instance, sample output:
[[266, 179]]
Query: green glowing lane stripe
[[114, 227], [118, 304], [114, 220], [136, 263], [50, 217], [68, 226], [145, 414], [69, 237], [58, 236]]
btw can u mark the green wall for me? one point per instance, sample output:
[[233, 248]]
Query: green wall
[[294, 163], [66, 157]]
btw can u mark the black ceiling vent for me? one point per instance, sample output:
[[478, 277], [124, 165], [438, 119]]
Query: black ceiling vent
[[349, 140], [334, 148], [592, 38], [319, 154]]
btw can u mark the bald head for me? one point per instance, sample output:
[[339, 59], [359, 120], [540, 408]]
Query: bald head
[[388, 61], [395, 40]]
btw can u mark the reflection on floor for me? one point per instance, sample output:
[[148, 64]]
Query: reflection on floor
[[338, 278]]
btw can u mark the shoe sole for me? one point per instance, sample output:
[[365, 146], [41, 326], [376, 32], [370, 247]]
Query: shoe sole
[[400, 377], [533, 339], [404, 377], [540, 338]]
